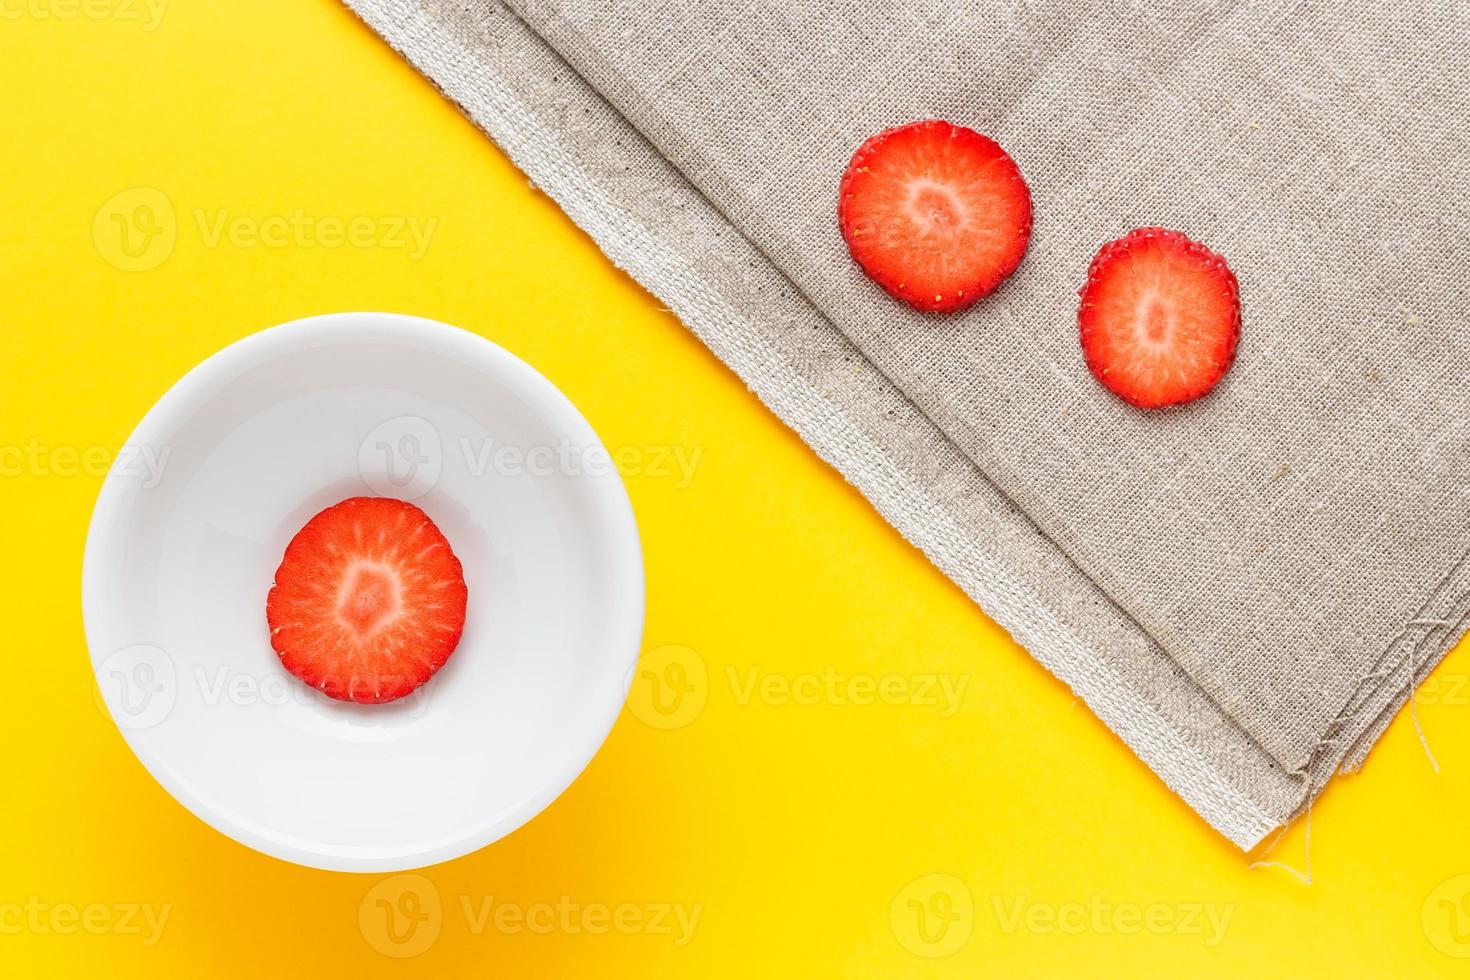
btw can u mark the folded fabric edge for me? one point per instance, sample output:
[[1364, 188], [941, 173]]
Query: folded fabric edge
[[470, 84]]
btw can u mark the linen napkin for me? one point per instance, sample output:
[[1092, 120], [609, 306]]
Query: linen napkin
[[1245, 588]]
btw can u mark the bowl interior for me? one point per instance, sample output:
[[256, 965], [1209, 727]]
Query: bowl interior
[[233, 461]]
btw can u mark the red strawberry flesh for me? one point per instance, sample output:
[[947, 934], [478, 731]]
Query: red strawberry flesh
[[369, 601], [1159, 318], [936, 214]]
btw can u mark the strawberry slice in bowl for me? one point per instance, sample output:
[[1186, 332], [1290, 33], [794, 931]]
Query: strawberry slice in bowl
[[369, 601]]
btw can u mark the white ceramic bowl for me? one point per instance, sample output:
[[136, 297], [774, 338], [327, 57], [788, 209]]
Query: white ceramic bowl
[[192, 522]]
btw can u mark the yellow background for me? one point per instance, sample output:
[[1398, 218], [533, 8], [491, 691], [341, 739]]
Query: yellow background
[[795, 829]]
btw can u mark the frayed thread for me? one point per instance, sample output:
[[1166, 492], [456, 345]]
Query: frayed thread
[[1305, 877], [1329, 740]]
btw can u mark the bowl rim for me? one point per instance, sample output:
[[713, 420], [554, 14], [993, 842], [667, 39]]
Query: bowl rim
[[624, 630]]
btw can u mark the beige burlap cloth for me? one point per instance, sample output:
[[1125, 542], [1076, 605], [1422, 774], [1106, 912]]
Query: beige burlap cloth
[[1244, 588]]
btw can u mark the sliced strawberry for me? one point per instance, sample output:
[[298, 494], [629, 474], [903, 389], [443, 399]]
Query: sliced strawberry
[[369, 601], [935, 213], [1160, 318]]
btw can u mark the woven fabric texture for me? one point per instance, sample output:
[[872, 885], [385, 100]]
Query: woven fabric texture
[[1243, 587]]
